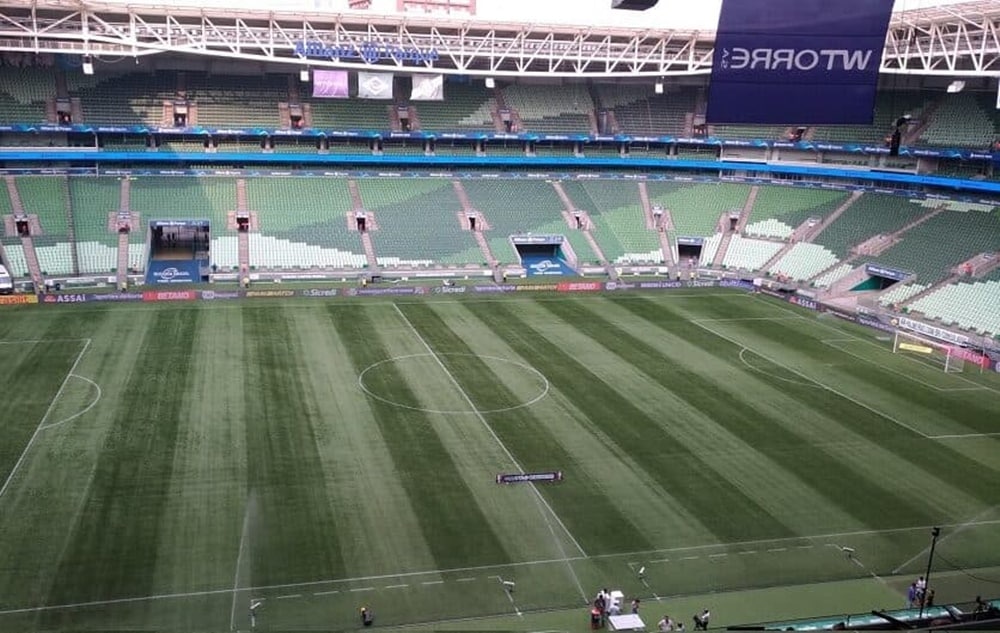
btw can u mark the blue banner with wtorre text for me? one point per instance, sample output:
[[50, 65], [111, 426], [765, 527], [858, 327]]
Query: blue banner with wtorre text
[[797, 62]]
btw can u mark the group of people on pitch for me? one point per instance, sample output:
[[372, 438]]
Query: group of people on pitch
[[604, 607]]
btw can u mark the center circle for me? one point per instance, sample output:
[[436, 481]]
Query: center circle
[[543, 382]]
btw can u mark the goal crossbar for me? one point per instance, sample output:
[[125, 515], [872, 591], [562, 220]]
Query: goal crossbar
[[930, 351]]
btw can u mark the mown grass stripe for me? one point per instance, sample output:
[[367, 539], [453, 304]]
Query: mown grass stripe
[[739, 416], [940, 461], [454, 527], [292, 530], [578, 501], [114, 543], [710, 497]]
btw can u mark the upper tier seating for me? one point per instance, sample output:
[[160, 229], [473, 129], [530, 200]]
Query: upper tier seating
[[237, 101], [465, 107], [562, 108], [122, 99], [889, 106], [638, 110], [351, 114], [23, 93], [961, 120]]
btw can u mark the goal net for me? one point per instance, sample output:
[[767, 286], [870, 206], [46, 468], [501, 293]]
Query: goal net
[[928, 350]]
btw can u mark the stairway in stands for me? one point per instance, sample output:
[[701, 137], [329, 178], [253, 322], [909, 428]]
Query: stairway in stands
[[569, 210], [124, 206], [30, 257], [727, 235], [666, 224], [70, 228], [358, 204], [243, 236], [468, 209]]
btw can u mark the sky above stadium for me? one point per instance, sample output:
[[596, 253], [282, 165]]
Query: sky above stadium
[[676, 14]]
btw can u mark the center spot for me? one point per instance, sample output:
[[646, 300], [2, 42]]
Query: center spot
[[522, 380]]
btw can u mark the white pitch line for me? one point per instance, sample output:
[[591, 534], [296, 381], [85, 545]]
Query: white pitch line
[[326, 593], [402, 586], [893, 371], [944, 538], [510, 456], [464, 580], [778, 549], [660, 560], [45, 416], [689, 558], [239, 561], [90, 406], [289, 596], [961, 436], [857, 338], [722, 555], [529, 563], [748, 551], [882, 415], [360, 589], [433, 582]]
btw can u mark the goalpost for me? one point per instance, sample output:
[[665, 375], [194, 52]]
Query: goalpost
[[929, 351]]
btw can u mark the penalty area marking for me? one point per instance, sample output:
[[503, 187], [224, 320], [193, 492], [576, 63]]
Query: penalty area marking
[[45, 417], [753, 367], [544, 392], [90, 406]]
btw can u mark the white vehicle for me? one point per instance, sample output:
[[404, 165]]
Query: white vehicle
[[6, 283]]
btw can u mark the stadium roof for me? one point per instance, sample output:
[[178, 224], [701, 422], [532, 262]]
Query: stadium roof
[[956, 39]]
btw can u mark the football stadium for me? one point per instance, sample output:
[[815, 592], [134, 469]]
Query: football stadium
[[500, 316]]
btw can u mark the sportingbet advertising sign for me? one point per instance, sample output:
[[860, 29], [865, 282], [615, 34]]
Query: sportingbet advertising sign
[[788, 62]]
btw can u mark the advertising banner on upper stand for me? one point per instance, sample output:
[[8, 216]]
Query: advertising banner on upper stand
[[330, 84], [788, 62]]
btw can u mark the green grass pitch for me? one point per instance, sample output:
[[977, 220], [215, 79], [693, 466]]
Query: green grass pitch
[[165, 465]]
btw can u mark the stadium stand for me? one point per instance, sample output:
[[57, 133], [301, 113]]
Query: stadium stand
[[900, 293], [564, 108], [122, 99], [45, 196], [709, 248], [889, 106], [417, 221], [303, 223], [465, 107], [619, 222], [932, 248], [93, 198], [960, 120], [696, 209], [872, 214], [353, 114], [778, 211], [970, 305], [237, 101], [522, 206], [638, 110], [832, 276], [23, 93], [804, 261], [749, 254]]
